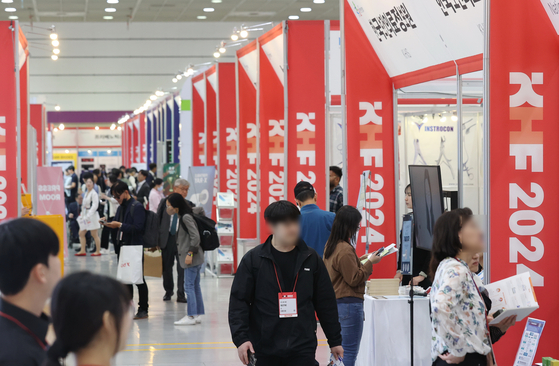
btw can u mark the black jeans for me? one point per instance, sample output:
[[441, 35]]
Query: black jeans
[[105, 235], [142, 291], [472, 359], [306, 359], [169, 255]]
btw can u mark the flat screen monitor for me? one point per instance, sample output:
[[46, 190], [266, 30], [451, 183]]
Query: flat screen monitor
[[427, 201]]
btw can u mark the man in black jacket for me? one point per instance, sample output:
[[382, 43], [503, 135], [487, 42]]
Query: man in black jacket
[[278, 287], [143, 188], [130, 220]]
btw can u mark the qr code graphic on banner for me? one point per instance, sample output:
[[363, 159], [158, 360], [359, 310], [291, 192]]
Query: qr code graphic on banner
[[453, 5]]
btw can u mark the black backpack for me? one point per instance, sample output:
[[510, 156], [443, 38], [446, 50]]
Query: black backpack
[[151, 226], [208, 234]]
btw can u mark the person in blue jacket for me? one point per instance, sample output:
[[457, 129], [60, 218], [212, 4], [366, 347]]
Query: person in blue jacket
[[316, 224]]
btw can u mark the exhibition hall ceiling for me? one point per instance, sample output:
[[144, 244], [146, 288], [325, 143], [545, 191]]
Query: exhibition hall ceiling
[[169, 10]]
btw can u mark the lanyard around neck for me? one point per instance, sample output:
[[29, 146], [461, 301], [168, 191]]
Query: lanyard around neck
[[277, 278], [19, 324]]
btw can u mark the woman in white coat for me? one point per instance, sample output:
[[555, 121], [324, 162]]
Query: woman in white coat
[[89, 218]]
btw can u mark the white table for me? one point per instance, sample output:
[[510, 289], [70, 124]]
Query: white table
[[386, 332]]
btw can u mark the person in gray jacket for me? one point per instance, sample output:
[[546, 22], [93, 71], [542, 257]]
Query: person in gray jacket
[[191, 257]]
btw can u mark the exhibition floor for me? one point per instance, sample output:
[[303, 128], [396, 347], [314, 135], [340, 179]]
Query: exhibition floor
[[157, 341]]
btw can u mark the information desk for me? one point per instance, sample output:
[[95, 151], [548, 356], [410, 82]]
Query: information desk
[[386, 332]]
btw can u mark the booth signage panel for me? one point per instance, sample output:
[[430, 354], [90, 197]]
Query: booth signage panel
[[198, 120], [524, 79], [37, 119], [271, 121], [247, 147], [227, 129], [211, 125], [409, 35], [102, 137], [65, 138], [370, 144], [186, 131], [24, 124]]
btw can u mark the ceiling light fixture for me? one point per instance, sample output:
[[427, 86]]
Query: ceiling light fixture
[[318, 1], [217, 54], [112, 1], [179, 76], [208, 10], [56, 51], [57, 107], [153, 97], [53, 36], [108, 17], [10, 10], [55, 43], [13, 17], [306, 10], [175, 80], [110, 10], [293, 17], [235, 34], [160, 93], [7, 1], [54, 57], [201, 17], [243, 33], [217, 1]]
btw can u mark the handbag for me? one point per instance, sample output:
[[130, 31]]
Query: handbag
[[130, 267]]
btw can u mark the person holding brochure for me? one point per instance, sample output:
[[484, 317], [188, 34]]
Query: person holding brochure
[[458, 317], [348, 276], [279, 287]]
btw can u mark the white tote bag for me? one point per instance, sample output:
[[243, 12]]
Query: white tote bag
[[130, 267]]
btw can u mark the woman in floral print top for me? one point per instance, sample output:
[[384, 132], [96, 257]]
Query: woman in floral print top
[[458, 322]]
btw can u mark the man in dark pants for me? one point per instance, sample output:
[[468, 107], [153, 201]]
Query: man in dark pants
[[168, 229], [112, 206], [130, 232], [278, 287]]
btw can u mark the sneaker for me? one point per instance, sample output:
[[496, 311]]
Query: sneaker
[[198, 319], [105, 251], [187, 320], [141, 314]]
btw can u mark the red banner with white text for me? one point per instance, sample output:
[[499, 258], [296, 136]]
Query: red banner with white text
[[306, 108], [8, 126], [198, 120], [524, 70], [211, 127], [370, 143], [24, 121], [37, 119], [247, 68], [271, 121]]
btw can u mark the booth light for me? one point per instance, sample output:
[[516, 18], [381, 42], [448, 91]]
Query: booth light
[[61, 127], [179, 76], [425, 119], [222, 49], [148, 102], [56, 51], [89, 151], [235, 34], [454, 117], [55, 43], [57, 107], [153, 97], [108, 151], [175, 80], [55, 129], [293, 17], [119, 128], [306, 10], [113, 126], [54, 57], [97, 128], [208, 10], [10, 10], [67, 151], [244, 33], [53, 36], [160, 93], [217, 54], [443, 118]]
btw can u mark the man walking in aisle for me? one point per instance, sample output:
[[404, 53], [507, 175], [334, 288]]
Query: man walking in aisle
[[336, 191], [168, 229], [142, 188], [278, 287], [316, 224]]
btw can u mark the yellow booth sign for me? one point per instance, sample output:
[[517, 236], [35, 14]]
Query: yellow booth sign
[[56, 223]]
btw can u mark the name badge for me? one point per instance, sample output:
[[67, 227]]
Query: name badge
[[287, 304]]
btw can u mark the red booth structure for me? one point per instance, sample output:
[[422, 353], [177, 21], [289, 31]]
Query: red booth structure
[[394, 44]]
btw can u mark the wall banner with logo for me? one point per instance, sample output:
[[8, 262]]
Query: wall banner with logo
[[247, 149], [524, 79], [271, 120], [199, 120], [306, 130], [370, 143], [227, 124], [201, 180]]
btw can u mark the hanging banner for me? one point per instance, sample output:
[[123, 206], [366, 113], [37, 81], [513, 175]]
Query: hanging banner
[[271, 121], [201, 180], [370, 144], [227, 129], [149, 137], [186, 129], [211, 124], [199, 120], [247, 71], [176, 128], [143, 149], [37, 118], [426, 35], [24, 121], [9, 185], [524, 79], [306, 108]]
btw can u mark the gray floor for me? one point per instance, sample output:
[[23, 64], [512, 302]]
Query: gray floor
[[157, 341]]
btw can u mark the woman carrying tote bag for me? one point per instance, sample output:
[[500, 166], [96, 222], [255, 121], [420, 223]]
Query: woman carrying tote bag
[[191, 257]]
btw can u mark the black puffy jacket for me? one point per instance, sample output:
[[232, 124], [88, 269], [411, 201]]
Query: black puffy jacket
[[254, 309]]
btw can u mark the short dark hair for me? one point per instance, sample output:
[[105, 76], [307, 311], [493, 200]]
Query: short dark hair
[[24, 243], [305, 196], [446, 242], [119, 188], [177, 201], [281, 211], [88, 293], [87, 176], [156, 182], [115, 171], [113, 178], [96, 171], [152, 166], [71, 167], [336, 170], [122, 167], [144, 173]]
